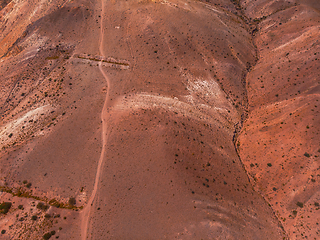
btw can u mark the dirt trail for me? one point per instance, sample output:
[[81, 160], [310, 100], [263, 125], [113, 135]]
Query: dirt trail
[[87, 210]]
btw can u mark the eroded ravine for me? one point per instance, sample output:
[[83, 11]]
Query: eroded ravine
[[87, 210], [238, 127]]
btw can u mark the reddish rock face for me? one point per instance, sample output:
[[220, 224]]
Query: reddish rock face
[[125, 118]]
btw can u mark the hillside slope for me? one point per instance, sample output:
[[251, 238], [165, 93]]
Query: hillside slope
[[123, 117], [279, 144]]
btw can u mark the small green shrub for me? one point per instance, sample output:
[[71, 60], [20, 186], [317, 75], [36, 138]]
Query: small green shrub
[[34, 217], [269, 165], [306, 154]]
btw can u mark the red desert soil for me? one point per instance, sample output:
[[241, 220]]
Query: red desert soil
[[158, 119]]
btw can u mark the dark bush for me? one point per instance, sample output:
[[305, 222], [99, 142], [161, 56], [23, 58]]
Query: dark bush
[[300, 204], [72, 201], [5, 206], [42, 206], [34, 217], [306, 154], [3, 231], [20, 206], [47, 236]]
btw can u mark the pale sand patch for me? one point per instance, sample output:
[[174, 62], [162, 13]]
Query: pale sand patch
[[205, 102], [308, 33], [14, 127]]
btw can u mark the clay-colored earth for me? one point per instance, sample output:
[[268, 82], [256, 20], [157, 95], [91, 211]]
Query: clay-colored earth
[[158, 119]]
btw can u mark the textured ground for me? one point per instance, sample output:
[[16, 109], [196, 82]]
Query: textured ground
[[159, 119]]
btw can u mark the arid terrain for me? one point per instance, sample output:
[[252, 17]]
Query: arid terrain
[[159, 119]]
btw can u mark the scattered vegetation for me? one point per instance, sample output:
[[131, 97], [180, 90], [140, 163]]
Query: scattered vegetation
[[20, 192]]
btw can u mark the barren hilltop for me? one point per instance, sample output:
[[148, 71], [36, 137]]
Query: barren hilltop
[[159, 119]]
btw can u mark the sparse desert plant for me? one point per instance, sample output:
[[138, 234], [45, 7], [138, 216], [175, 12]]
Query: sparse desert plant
[[3, 231], [4, 207], [55, 203], [72, 201], [306, 154], [300, 204], [34, 217], [47, 236], [42, 206]]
